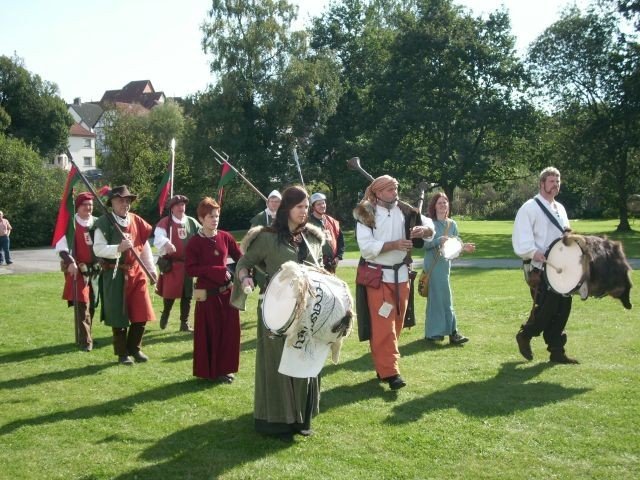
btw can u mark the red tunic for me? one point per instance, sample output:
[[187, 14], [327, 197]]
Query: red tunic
[[216, 341], [82, 251], [171, 284]]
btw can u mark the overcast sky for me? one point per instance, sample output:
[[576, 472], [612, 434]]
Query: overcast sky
[[89, 46]]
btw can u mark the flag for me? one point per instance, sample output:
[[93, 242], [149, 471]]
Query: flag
[[163, 190], [226, 177], [65, 224]]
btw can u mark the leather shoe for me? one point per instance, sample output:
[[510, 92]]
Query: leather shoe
[[561, 357], [524, 345], [125, 360], [185, 327], [438, 338], [396, 382], [457, 339], [164, 320], [305, 433], [140, 357]]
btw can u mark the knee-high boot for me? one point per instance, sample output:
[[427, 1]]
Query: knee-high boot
[[164, 317], [185, 308]]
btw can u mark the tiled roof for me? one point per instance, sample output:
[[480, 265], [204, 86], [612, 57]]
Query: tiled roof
[[132, 92], [89, 112], [78, 130]]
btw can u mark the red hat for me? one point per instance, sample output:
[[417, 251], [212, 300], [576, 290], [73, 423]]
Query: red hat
[[83, 197]]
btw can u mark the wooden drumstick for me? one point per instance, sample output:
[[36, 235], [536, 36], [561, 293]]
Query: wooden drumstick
[[558, 270]]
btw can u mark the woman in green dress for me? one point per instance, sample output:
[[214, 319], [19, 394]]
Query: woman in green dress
[[440, 317], [283, 405]]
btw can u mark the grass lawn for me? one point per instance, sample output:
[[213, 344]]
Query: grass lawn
[[478, 411]]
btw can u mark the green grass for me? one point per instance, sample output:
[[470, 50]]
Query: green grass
[[478, 411]]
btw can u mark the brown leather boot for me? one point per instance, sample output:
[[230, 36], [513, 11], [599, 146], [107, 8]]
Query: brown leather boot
[[558, 355], [524, 345]]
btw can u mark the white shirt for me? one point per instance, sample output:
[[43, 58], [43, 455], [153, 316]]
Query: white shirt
[[103, 250], [160, 237], [533, 231], [389, 227]]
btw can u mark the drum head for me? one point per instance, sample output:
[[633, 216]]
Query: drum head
[[279, 303], [451, 248], [564, 268]]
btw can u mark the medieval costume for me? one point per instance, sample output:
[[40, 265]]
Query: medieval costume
[[216, 344]]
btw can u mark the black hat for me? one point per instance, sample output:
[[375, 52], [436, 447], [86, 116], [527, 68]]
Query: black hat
[[175, 200], [122, 191]]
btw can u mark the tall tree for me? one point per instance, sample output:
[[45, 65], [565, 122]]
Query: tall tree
[[585, 66], [31, 110]]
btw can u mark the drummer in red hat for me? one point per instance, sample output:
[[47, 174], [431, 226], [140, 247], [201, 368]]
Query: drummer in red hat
[[126, 305], [81, 269], [171, 235]]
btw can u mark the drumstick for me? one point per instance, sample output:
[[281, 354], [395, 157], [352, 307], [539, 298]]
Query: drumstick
[[558, 270]]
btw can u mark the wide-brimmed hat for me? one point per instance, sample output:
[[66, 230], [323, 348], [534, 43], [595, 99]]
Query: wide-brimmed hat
[[122, 191], [83, 197], [175, 200]]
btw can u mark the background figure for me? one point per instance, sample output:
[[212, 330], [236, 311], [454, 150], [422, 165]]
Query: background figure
[[539, 222], [170, 238], [440, 316], [333, 249], [5, 240], [216, 343], [283, 405], [384, 231], [126, 306], [266, 217], [81, 270]]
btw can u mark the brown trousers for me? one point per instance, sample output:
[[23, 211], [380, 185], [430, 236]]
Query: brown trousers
[[83, 325], [128, 341], [385, 332]]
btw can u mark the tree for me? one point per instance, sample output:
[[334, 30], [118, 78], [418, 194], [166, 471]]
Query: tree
[[31, 110], [585, 67]]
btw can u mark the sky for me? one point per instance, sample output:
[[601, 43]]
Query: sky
[[89, 46]]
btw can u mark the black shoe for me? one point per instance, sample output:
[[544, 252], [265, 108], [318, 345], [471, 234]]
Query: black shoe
[[396, 382], [185, 327], [457, 339], [9, 263], [87, 348], [125, 360], [524, 345], [437, 338], [561, 357], [164, 320], [140, 357], [225, 378], [305, 432]]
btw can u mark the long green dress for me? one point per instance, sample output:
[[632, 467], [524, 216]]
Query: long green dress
[[440, 316], [282, 404]]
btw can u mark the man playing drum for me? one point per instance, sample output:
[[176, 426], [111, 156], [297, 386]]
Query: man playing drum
[[533, 233]]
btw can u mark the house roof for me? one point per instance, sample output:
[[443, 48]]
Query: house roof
[[89, 113], [138, 91], [78, 130]]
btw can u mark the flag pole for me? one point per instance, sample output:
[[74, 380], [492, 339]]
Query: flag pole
[[295, 157], [226, 160], [110, 217], [173, 160]]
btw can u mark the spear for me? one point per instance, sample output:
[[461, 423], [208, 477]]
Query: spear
[[110, 217], [295, 157], [173, 162], [226, 160]]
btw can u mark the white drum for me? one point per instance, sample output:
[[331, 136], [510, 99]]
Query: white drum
[[563, 270], [304, 304], [451, 248]]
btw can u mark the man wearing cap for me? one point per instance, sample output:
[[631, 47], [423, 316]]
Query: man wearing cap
[[333, 249], [126, 306], [5, 242], [170, 238], [266, 217], [386, 231], [81, 270]]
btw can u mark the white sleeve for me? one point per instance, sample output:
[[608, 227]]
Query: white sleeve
[[147, 257], [101, 248], [523, 241], [427, 222], [62, 245], [160, 239], [369, 247]]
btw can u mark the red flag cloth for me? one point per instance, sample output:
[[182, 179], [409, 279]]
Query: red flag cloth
[[65, 224], [164, 189], [226, 176]]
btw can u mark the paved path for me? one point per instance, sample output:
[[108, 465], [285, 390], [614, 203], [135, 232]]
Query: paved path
[[41, 260]]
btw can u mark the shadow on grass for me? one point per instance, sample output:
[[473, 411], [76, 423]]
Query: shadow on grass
[[47, 352], [503, 394], [115, 407], [72, 373], [207, 450]]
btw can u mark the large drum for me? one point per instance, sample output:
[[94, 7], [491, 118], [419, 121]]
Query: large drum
[[563, 269], [304, 304]]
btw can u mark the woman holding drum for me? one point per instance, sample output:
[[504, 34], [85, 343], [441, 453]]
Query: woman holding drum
[[445, 246], [283, 405], [216, 343]]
